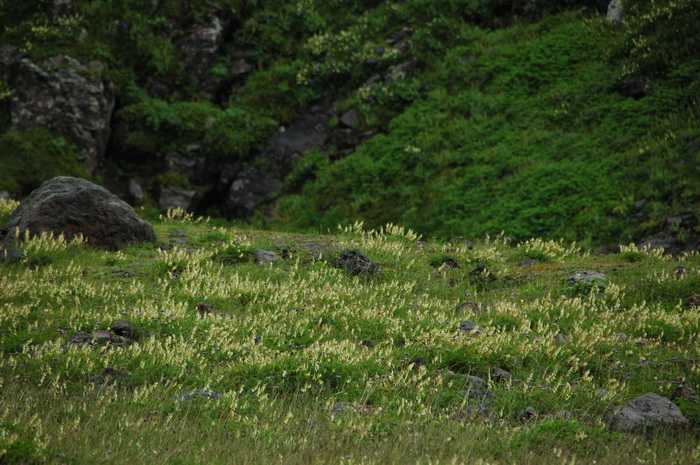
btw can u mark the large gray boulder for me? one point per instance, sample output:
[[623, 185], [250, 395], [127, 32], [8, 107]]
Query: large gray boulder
[[61, 95], [74, 206], [650, 411]]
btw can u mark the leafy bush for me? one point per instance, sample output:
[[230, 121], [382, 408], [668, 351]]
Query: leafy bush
[[29, 158]]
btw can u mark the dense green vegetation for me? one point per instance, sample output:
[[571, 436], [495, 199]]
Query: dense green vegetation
[[299, 361], [516, 117]]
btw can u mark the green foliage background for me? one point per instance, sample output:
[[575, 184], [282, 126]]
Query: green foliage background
[[514, 119]]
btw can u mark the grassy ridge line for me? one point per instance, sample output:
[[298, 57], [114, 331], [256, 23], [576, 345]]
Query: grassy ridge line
[[285, 345]]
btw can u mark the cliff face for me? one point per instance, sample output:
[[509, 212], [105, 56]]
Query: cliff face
[[453, 118]]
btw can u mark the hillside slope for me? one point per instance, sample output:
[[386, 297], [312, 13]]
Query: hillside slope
[[454, 118]]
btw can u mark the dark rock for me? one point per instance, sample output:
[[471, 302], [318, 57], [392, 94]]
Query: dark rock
[[62, 9], [615, 12], [367, 343], [480, 269], [11, 255], [351, 118], [204, 308], [527, 414], [683, 392], [355, 263], [499, 374], [399, 36], [467, 326], [561, 338], [649, 411], [451, 263], [529, 262], [187, 396], [172, 198], [74, 206], [692, 301], [125, 328], [401, 71], [10, 59], [416, 363], [679, 271], [636, 88], [66, 96]]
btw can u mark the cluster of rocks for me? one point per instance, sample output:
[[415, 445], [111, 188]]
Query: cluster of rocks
[[121, 333]]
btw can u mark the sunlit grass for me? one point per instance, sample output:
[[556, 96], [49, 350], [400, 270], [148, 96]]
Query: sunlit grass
[[313, 365]]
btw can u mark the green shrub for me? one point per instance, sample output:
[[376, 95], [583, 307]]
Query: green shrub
[[29, 158]]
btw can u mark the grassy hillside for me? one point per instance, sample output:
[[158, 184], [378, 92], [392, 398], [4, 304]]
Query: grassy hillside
[[538, 118], [227, 360]]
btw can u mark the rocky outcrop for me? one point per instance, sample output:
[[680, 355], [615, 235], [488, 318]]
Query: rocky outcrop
[[74, 206], [61, 95]]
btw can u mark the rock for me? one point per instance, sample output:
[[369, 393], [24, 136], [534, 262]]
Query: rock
[[204, 308], [480, 269], [615, 12], [10, 59], [74, 206], [561, 338], [62, 9], [367, 343], [683, 392], [588, 278], [473, 307], [136, 190], [528, 262], [636, 88], [11, 255], [499, 374], [240, 68], [65, 96], [477, 389], [125, 328], [265, 257], [355, 263], [172, 198], [473, 411], [401, 71], [399, 36], [692, 301], [451, 263], [527, 414], [649, 411], [351, 118], [100, 337], [201, 47], [681, 271], [187, 396], [5, 195], [467, 326]]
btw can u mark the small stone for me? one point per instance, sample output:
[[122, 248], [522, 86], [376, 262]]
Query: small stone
[[125, 328], [467, 326], [692, 301], [187, 396], [642, 341], [265, 257], [204, 308], [480, 269], [528, 262], [499, 374], [683, 392], [451, 263], [680, 271], [588, 277], [367, 343], [355, 263], [11, 255], [473, 307], [527, 414], [561, 338]]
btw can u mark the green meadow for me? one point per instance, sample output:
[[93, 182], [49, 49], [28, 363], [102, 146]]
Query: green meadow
[[227, 359]]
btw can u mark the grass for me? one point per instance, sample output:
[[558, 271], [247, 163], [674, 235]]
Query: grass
[[313, 365]]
